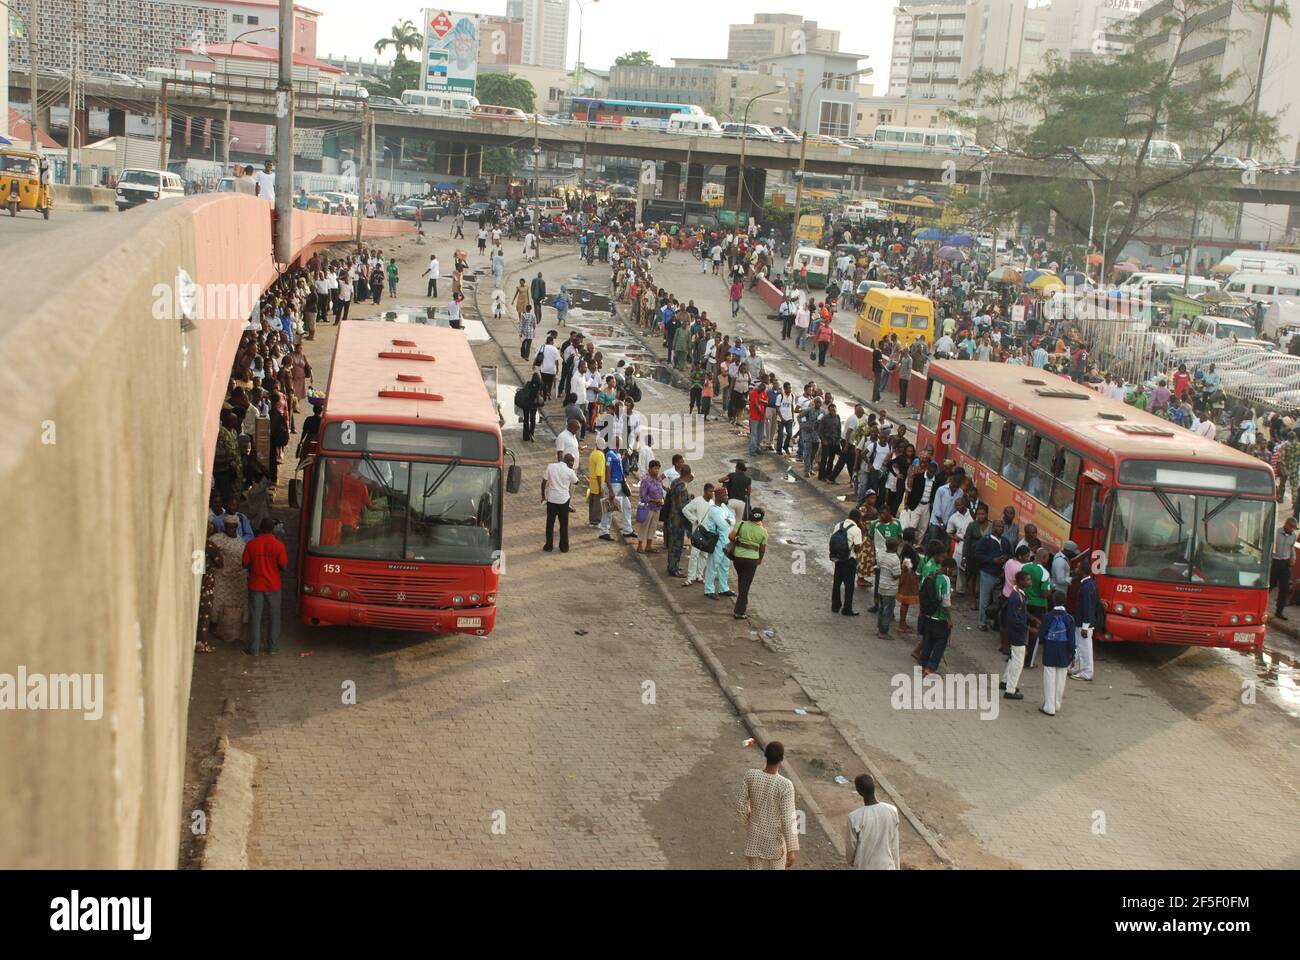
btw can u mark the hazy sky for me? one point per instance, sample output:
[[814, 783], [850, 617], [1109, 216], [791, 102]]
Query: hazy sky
[[667, 28]]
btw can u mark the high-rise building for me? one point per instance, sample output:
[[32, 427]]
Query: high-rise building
[[546, 32], [773, 34], [128, 36], [1089, 28], [821, 92]]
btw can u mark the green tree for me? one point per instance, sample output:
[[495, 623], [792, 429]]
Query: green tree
[[506, 90], [401, 37], [637, 58], [1128, 99]]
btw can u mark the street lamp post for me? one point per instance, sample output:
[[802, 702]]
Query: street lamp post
[[1105, 237], [577, 69], [744, 135], [803, 154]]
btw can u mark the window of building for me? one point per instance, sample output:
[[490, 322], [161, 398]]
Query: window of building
[[836, 119], [254, 20], [237, 18]]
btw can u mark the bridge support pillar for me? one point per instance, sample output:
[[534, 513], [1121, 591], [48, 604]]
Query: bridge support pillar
[[730, 188], [117, 123], [695, 182], [474, 160], [755, 185], [671, 184]]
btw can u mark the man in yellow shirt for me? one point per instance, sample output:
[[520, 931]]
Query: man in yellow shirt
[[595, 482]]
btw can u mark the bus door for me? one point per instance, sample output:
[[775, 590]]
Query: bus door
[[1088, 529]]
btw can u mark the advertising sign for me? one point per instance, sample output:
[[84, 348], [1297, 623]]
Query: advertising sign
[[450, 56]]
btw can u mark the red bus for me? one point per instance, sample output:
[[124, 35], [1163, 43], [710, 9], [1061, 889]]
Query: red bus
[[401, 518], [1179, 529]]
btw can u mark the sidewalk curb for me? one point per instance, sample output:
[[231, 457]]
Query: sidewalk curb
[[761, 735], [230, 810]]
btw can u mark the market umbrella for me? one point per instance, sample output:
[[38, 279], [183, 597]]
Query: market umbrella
[[1223, 269], [961, 240], [1125, 267], [1004, 275], [948, 253], [930, 233], [1031, 275], [1045, 282], [1094, 259], [1076, 278]]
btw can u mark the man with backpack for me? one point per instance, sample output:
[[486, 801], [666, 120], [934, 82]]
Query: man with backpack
[[846, 541], [1057, 636], [1015, 623], [935, 625]]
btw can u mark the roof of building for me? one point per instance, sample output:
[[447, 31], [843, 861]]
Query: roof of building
[[258, 51], [814, 53], [20, 132], [263, 3]]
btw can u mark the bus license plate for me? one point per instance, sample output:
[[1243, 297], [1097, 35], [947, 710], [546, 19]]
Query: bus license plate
[[1243, 638], [469, 621]]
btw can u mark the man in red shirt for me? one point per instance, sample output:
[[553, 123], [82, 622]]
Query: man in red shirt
[[757, 413], [265, 557]]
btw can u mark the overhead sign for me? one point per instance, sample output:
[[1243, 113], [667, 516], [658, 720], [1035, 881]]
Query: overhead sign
[[450, 61]]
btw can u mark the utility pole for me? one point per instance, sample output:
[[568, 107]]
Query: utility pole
[[72, 94], [1254, 108], [162, 125], [537, 154], [34, 29], [284, 137], [225, 135], [361, 173], [798, 199]]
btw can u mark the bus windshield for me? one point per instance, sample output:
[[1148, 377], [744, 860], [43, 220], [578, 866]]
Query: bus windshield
[[1163, 535], [436, 512]]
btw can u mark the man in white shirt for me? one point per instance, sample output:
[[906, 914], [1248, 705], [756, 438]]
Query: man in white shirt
[[871, 838], [432, 273], [557, 488], [566, 443], [550, 365], [696, 509], [266, 182]]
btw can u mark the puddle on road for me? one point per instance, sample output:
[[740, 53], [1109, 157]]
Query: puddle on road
[[506, 405], [1277, 673], [581, 298]]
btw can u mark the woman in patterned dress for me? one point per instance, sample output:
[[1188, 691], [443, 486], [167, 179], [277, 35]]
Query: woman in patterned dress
[[867, 552]]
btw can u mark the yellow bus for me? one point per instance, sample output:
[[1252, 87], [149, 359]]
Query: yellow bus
[[810, 229], [887, 311]]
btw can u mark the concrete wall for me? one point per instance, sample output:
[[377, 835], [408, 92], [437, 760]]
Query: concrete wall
[[105, 454]]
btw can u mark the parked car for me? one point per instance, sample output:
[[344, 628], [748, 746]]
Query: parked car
[[430, 210], [475, 210], [378, 102], [857, 142]]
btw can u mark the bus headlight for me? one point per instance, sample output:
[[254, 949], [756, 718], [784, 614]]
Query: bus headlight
[[307, 588], [458, 600], [343, 594], [1250, 618], [1132, 611], [1234, 619], [325, 591], [474, 598]]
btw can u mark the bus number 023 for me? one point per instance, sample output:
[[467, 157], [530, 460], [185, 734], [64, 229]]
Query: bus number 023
[[1123, 588]]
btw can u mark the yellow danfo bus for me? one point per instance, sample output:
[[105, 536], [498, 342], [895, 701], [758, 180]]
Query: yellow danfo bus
[[887, 311]]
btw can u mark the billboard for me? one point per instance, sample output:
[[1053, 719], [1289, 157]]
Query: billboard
[[450, 61]]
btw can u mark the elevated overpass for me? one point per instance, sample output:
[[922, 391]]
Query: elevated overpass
[[110, 408], [681, 155]]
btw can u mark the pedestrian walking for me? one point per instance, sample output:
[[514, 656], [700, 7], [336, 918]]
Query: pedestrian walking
[[891, 571], [527, 330], [265, 558], [845, 542], [433, 272], [871, 835], [557, 487], [748, 545], [1056, 633], [766, 808], [935, 624]]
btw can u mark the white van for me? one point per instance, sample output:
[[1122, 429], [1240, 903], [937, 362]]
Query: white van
[[435, 102], [694, 124], [1263, 261], [1222, 328], [1140, 283], [138, 185], [1263, 287], [866, 210], [548, 206]]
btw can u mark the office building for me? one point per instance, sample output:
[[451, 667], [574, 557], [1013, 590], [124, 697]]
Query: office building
[[777, 33], [546, 32], [822, 97]]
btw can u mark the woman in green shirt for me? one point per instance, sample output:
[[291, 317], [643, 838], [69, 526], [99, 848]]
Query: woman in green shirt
[[748, 545]]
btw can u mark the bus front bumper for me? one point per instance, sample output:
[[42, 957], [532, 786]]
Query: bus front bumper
[[1248, 637], [322, 612]]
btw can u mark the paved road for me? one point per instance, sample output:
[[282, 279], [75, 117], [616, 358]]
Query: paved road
[[535, 727], [1158, 762], [29, 226]]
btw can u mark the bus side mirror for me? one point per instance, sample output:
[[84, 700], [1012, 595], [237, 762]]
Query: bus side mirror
[[514, 478]]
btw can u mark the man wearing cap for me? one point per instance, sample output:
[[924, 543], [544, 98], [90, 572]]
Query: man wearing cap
[[1061, 573], [720, 519]]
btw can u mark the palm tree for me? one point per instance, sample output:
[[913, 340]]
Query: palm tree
[[401, 37]]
